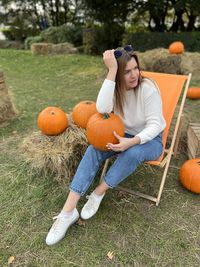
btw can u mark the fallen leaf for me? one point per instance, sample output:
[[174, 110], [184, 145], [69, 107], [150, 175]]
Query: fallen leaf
[[110, 255], [11, 259], [80, 222]]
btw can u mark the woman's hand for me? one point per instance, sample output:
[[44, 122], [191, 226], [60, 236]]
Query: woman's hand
[[111, 63], [124, 143], [109, 59]]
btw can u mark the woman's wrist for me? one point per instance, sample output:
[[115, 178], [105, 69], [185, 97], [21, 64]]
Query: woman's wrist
[[111, 75], [136, 140]]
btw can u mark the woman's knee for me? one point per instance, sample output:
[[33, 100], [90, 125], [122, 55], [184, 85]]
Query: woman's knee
[[145, 152], [134, 154], [91, 151], [98, 154]]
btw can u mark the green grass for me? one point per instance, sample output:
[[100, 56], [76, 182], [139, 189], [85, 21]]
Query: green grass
[[139, 233]]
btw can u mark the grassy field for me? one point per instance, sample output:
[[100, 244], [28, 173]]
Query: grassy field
[[136, 231]]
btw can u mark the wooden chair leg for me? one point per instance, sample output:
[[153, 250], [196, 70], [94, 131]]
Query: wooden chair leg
[[178, 136], [104, 169]]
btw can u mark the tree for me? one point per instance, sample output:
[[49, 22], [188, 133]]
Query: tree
[[170, 15], [111, 15], [59, 12], [28, 17]]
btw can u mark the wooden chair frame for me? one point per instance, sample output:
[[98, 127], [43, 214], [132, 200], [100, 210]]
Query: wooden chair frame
[[164, 160]]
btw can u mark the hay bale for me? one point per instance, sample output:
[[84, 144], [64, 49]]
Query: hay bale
[[170, 64], [159, 60], [148, 58], [41, 48], [195, 65], [63, 48], [7, 110], [53, 49], [58, 155]]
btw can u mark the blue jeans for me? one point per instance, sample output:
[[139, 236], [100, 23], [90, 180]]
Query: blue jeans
[[126, 162]]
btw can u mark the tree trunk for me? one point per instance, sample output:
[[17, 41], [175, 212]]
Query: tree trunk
[[57, 4], [191, 26], [66, 10], [52, 13], [178, 23]]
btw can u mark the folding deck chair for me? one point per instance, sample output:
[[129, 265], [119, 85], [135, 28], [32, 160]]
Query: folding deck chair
[[172, 87]]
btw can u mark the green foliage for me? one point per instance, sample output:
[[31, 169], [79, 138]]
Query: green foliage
[[55, 35], [167, 15], [32, 39], [64, 33], [111, 15], [22, 25], [99, 38], [108, 11], [18, 33], [143, 41], [52, 35]]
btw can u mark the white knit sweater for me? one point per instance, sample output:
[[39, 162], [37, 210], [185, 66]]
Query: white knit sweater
[[142, 108]]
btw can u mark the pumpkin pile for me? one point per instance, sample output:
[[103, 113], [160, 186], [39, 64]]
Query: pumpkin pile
[[62, 140], [99, 127]]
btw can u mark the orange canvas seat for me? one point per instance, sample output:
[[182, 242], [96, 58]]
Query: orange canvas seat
[[172, 88]]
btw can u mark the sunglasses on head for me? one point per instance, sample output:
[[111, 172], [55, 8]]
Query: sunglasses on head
[[127, 48]]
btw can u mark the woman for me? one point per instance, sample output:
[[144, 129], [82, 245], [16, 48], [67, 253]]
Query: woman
[[137, 101]]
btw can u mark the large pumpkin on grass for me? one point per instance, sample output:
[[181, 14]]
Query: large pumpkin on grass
[[100, 130], [52, 121], [176, 48], [193, 93], [82, 112], [190, 175]]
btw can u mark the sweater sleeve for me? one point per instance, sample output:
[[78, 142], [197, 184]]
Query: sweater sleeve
[[104, 103], [154, 120]]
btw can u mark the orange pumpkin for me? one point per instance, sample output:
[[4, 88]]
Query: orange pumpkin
[[52, 121], [193, 93], [100, 129], [190, 175], [176, 48], [82, 112]]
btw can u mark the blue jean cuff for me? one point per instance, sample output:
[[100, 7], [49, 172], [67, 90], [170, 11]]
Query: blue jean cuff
[[110, 186], [76, 191]]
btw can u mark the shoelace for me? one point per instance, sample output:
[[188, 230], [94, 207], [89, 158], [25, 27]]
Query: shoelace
[[55, 227], [90, 203], [58, 216]]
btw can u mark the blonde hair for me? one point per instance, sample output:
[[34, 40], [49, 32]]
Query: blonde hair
[[120, 82]]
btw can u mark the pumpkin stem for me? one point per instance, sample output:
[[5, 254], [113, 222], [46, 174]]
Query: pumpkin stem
[[106, 116]]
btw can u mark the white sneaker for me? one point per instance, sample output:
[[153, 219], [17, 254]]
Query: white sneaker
[[60, 227], [91, 206]]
